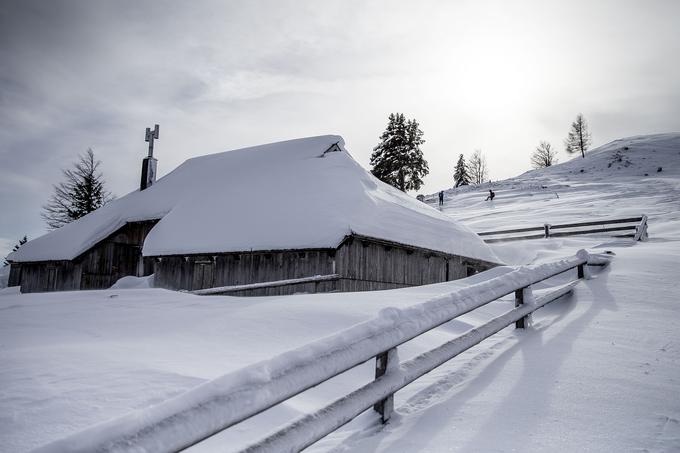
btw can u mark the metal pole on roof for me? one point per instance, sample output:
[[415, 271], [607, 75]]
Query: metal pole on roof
[[150, 136], [149, 162]]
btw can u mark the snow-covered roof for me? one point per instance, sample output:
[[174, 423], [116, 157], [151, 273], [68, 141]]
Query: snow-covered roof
[[285, 195]]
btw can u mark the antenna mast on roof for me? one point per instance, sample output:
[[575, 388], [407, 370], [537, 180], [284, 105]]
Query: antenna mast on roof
[[149, 162]]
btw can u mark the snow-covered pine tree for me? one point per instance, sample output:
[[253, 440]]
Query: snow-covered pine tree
[[82, 192], [477, 168], [22, 241], [398, 159], [461, 177], [579, 137], [544, 156]]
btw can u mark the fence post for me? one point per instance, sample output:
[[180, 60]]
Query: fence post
[[579, 271], [383, 362], [519, 300], [546, 228], [641, 230]]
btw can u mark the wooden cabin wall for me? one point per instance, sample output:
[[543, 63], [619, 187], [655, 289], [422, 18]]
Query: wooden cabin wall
[[471, 266], [45, 276], [364, 265], [104, 264], [100, 267], [227, 269], [115, 257], [394, 266], [368, 264]]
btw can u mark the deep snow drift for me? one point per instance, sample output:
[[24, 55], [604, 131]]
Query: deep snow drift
[[305, 193], [597, 371]]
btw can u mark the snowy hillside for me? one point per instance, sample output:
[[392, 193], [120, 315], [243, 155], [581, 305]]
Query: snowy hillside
[[598, 371], [621, 178]]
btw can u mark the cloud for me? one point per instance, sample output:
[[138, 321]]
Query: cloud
[[218, 75]]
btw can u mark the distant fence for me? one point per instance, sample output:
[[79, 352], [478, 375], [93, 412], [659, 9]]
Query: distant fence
[[636, 229], [226, 401]]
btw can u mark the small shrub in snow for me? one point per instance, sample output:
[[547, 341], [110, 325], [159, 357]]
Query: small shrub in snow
[[619, 157], [544, 156]]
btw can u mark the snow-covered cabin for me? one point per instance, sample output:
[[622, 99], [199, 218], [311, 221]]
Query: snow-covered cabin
[[285, 210]]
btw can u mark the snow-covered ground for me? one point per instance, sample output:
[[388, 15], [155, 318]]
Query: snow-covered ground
[[597, 371]]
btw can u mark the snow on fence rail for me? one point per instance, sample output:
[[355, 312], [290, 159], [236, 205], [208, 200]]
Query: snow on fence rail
[[210, 408], [637, 229]]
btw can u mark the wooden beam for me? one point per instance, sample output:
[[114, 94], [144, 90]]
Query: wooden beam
[[516, 230], [596, 222], [599, 230], [292, 281]]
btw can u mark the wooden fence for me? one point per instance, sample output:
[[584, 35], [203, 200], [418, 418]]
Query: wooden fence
[[636, 229], [215, 406], [316, 279]]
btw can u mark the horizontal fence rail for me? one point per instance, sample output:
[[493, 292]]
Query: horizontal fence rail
[[636, 230], [272, 284], [309, 429], [219, 404]]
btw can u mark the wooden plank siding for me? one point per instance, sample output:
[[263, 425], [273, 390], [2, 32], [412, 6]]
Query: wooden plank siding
[[364, 264], [192, 272], [394, 265], [101, 266], [40, 276]]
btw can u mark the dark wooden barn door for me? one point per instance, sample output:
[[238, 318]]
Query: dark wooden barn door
[[203, 275], [51, 278]]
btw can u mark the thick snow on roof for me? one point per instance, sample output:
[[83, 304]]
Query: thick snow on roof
[[285, 195]]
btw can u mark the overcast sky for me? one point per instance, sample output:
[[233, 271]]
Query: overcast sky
[[495, 75]]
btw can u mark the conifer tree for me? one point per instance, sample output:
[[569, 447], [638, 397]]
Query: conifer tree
[[82, 192], [22, 241], [544, 156], [398, 160], [461, 176], [578, 139]]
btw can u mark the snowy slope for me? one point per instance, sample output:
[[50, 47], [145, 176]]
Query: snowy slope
[[285, 195], [598, 371], [615, 180]]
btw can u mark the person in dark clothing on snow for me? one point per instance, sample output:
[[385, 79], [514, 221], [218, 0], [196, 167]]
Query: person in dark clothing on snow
[[491, 195], [441, 198]]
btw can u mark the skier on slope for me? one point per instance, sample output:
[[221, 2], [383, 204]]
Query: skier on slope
[[491, 195]]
